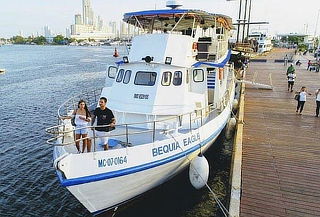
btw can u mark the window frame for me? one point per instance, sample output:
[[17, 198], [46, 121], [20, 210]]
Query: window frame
[[193, 75], [147, 85], [122, 75], [173, 79], [125, 76], [170, 79], [109, 72]]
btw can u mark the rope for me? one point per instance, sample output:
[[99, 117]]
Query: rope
[[220, 204]]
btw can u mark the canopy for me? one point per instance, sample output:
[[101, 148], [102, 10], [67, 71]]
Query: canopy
[[167, 19]]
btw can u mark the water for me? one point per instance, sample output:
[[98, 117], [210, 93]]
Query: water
[[40, 78]]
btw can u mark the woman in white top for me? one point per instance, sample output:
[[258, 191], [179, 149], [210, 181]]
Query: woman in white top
[[82, 120], [302, 99], [318, 102]]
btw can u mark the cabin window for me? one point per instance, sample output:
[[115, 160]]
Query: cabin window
[[127, 77], [177, 78], [198, 75], [120, 75], [145, 78], [112, 71], [166, 78]]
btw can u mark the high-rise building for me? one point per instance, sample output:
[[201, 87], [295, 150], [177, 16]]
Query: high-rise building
[[78, 19], [68, 33], [87, 26], [48, 34], [88, 15]]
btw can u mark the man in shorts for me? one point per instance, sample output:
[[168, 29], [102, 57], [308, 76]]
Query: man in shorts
[[104, 117], [291, 76]]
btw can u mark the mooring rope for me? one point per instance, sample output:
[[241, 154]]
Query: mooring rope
[[218, 201]]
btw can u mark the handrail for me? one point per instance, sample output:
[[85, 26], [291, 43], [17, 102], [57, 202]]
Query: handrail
[[60, 130], [71, 102]]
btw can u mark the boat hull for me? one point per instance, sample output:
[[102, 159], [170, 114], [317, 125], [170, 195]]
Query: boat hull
[[103, 195]]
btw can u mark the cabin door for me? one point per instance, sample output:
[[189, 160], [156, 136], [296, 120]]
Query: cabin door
[[198, 81], [211, 84]]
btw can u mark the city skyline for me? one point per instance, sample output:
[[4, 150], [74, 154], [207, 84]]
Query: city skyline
[[31, 16]]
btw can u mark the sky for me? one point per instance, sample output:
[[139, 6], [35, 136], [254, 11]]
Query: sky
[[30, 16]]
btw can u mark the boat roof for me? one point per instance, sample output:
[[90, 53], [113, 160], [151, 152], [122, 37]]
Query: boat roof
[[167, 19]]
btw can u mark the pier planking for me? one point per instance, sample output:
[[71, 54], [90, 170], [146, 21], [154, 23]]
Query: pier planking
[[281, 150]]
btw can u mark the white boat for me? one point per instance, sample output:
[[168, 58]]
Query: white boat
[[2, 71], [172, 96], [264, 43]]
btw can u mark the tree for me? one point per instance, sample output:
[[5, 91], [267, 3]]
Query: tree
[[295, 39], [18, 40], [40, 40], [59, 39]]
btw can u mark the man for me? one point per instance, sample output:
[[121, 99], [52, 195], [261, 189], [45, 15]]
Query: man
[[286, 60], [104, 117], [291, 77], [290, 69]]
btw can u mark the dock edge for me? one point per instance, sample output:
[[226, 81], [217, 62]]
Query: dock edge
[[236, 161]]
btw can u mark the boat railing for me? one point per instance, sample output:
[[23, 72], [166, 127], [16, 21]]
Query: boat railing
[[188, 121], [195, 120], [91, 98]]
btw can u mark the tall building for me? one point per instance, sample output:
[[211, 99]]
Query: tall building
[[48, 34], [88, 26], [88, 15], [78, 19], [68, 33]]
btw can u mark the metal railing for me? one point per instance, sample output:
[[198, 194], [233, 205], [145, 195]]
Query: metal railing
[[90, 97], [188, 121]]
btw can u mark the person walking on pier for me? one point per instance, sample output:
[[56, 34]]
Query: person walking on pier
[[291, 69], [286, 60], [291, 76], [318, 102], [302, 99], [309, 64]]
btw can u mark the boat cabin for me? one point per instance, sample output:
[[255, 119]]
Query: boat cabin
[[177, 66]]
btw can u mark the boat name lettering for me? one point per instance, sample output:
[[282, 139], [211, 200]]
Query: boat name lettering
[[165, 149], [113, 161], [191, 139], [141, 96]]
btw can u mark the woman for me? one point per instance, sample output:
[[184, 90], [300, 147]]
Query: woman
[[318, 102], [82, 118], [302, 99]]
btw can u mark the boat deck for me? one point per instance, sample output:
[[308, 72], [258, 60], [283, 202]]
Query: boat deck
[[281, 150], [137, 136]]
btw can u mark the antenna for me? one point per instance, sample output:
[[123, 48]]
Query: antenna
[[173, 4]]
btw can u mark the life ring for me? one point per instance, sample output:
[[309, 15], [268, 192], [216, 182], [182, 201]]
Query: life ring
[[221, 73]]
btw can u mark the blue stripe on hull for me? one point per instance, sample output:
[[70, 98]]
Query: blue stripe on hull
[[123, 172]]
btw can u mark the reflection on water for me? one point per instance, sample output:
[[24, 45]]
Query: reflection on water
[[40, 78]]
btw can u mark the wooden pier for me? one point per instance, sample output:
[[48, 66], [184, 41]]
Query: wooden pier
[[280, 149]]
